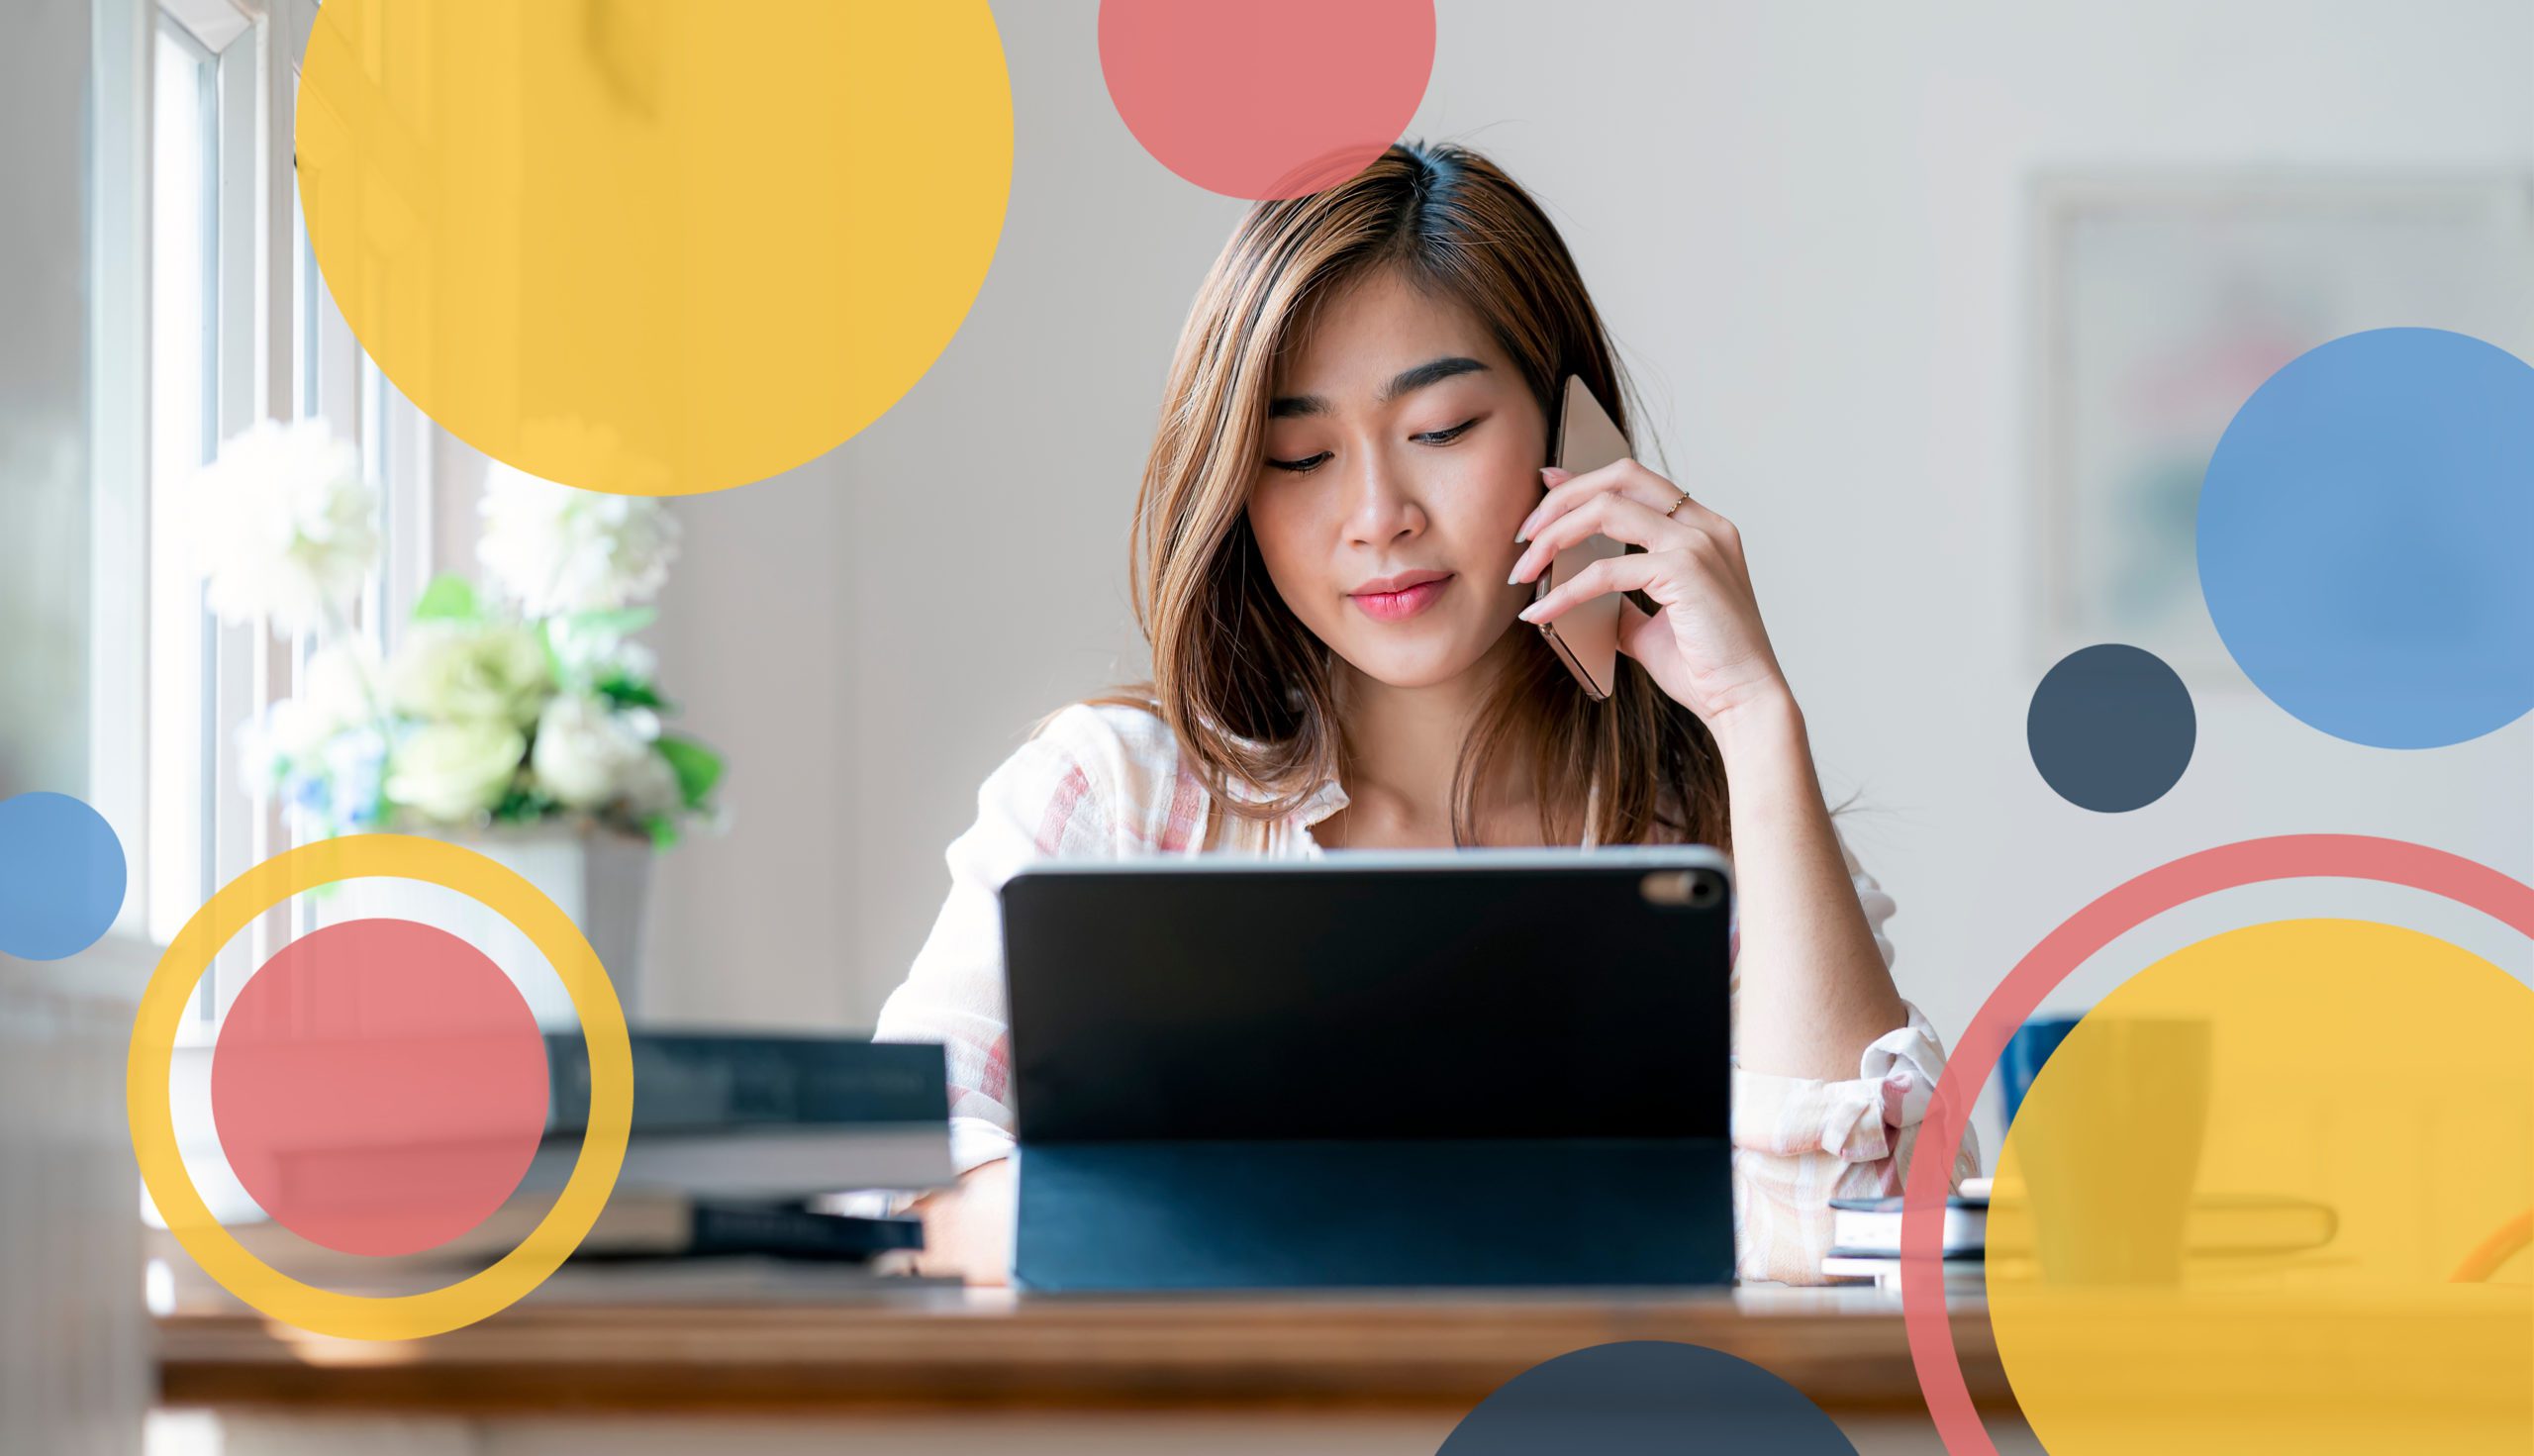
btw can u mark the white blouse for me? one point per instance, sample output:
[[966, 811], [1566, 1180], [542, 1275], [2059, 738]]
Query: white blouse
[[1104, 781]]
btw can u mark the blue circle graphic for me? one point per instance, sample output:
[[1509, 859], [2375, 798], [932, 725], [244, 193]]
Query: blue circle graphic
[[61, 876], [2363, 533]]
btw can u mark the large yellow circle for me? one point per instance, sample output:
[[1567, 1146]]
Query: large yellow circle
[[655, 246], [2375, 1071], [329, 1312]]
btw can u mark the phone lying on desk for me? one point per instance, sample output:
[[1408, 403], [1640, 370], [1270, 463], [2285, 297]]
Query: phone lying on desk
[[1585, 636]]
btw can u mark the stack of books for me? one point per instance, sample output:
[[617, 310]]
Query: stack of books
[[737, 1146], [739, 1143], [760, 1115], [2222, 1233], [1865, 1239]]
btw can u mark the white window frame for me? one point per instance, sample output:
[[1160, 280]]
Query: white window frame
[[282, 351]]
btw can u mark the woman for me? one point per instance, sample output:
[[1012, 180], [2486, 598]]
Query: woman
[[1339, 524]]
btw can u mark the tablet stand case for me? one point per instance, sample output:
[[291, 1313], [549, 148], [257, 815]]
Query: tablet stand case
[[1187, 1214], [1298, 1109]]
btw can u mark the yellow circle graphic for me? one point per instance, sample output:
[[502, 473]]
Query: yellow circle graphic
[[2232, 1211], [323, 1310], [655, 246]]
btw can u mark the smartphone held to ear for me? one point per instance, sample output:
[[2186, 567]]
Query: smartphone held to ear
[[1585, 636]]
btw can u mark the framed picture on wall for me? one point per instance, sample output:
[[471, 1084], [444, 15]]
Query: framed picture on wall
[[2163, 299]]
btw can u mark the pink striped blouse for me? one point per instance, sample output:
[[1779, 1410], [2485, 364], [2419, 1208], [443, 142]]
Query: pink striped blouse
[[1106, 781]]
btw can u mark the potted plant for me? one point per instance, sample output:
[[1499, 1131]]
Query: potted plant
[[517, 716]]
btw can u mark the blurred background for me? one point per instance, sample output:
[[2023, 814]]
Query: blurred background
[[1945, 305]]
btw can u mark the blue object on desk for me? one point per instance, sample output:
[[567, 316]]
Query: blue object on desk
[[2026, 1051], [1455, 1068]]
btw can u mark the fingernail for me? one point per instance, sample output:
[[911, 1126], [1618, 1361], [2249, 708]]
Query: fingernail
[[1525, 613]]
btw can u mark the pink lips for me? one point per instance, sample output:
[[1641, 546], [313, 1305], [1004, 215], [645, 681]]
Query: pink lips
[[1397, 598]]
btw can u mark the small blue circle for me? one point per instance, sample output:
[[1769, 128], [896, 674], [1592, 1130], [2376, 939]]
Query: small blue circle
[[61, 876], [2365, 527]]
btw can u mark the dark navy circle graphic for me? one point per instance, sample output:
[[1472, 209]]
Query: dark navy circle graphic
[[1640, 1398], [2363, 537], [2110, 728]]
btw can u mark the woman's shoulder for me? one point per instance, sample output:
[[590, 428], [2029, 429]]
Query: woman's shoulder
[[1114, 740], [1112, 768]]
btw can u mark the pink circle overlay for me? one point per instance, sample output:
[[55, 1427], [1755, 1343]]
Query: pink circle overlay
[[2120, 910], [379, 1086], [1266, 99]]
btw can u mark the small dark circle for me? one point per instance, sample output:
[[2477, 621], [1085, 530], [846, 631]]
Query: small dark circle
[[2111, 727], [1641, 1398], [1705, 890]]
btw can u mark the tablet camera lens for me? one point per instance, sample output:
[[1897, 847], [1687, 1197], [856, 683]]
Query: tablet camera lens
[[1690, 889]]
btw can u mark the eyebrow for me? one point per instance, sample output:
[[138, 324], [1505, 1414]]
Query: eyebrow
[[1429, 372]]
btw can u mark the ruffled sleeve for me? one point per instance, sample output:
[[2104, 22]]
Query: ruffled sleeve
[[1044, 802], [1094, 781], [1799, 1142]]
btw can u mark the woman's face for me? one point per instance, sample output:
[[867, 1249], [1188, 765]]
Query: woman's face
[[1402, 452]]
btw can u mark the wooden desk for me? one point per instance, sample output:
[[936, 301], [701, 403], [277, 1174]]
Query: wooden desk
[[975, 1350], [792, 1370]]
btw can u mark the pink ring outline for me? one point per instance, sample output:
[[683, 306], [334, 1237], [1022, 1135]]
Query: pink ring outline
[[2117, 911]]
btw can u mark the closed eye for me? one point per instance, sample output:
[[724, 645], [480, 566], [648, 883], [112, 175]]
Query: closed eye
[[1310, 463], [1446, 436]]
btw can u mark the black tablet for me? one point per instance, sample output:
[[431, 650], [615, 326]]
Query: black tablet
[[1473, 1067]]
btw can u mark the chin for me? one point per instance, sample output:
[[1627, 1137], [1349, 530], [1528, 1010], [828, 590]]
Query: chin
[[1399, 666]]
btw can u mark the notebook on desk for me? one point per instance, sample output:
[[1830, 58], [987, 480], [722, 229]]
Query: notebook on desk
[[1476, 1067]]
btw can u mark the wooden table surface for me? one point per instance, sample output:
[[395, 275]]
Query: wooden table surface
[[932, 1348]]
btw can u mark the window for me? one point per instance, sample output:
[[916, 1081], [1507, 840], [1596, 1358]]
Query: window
[[237, 326], [184, 431]]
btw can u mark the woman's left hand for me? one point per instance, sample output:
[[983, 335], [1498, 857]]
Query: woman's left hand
[[1706, 649]]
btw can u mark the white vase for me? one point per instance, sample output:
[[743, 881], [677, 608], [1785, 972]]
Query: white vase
[[600, 879]]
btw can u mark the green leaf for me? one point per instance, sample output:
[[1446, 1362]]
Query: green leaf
[[623, 622], [450, 598], [523, 806], [553, 654], [663, 831], [697, 767], [625, 692]]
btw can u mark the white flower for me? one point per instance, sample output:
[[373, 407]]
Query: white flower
[[454, 771], [589, 656], [652, 788], [465, 671], [289, 732], [333, 695], [587, 754], [553, 549], [341, 678], [284, 524]]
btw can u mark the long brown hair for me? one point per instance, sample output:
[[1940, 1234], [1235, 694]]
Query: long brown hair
[[1242, 682]]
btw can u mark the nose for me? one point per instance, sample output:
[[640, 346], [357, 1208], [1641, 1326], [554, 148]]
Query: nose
[[1381, 505]]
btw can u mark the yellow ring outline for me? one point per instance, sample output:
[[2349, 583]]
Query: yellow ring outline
[[373, 1316]]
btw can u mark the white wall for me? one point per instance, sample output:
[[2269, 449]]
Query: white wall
[[1805, 222], [75, 1357]]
